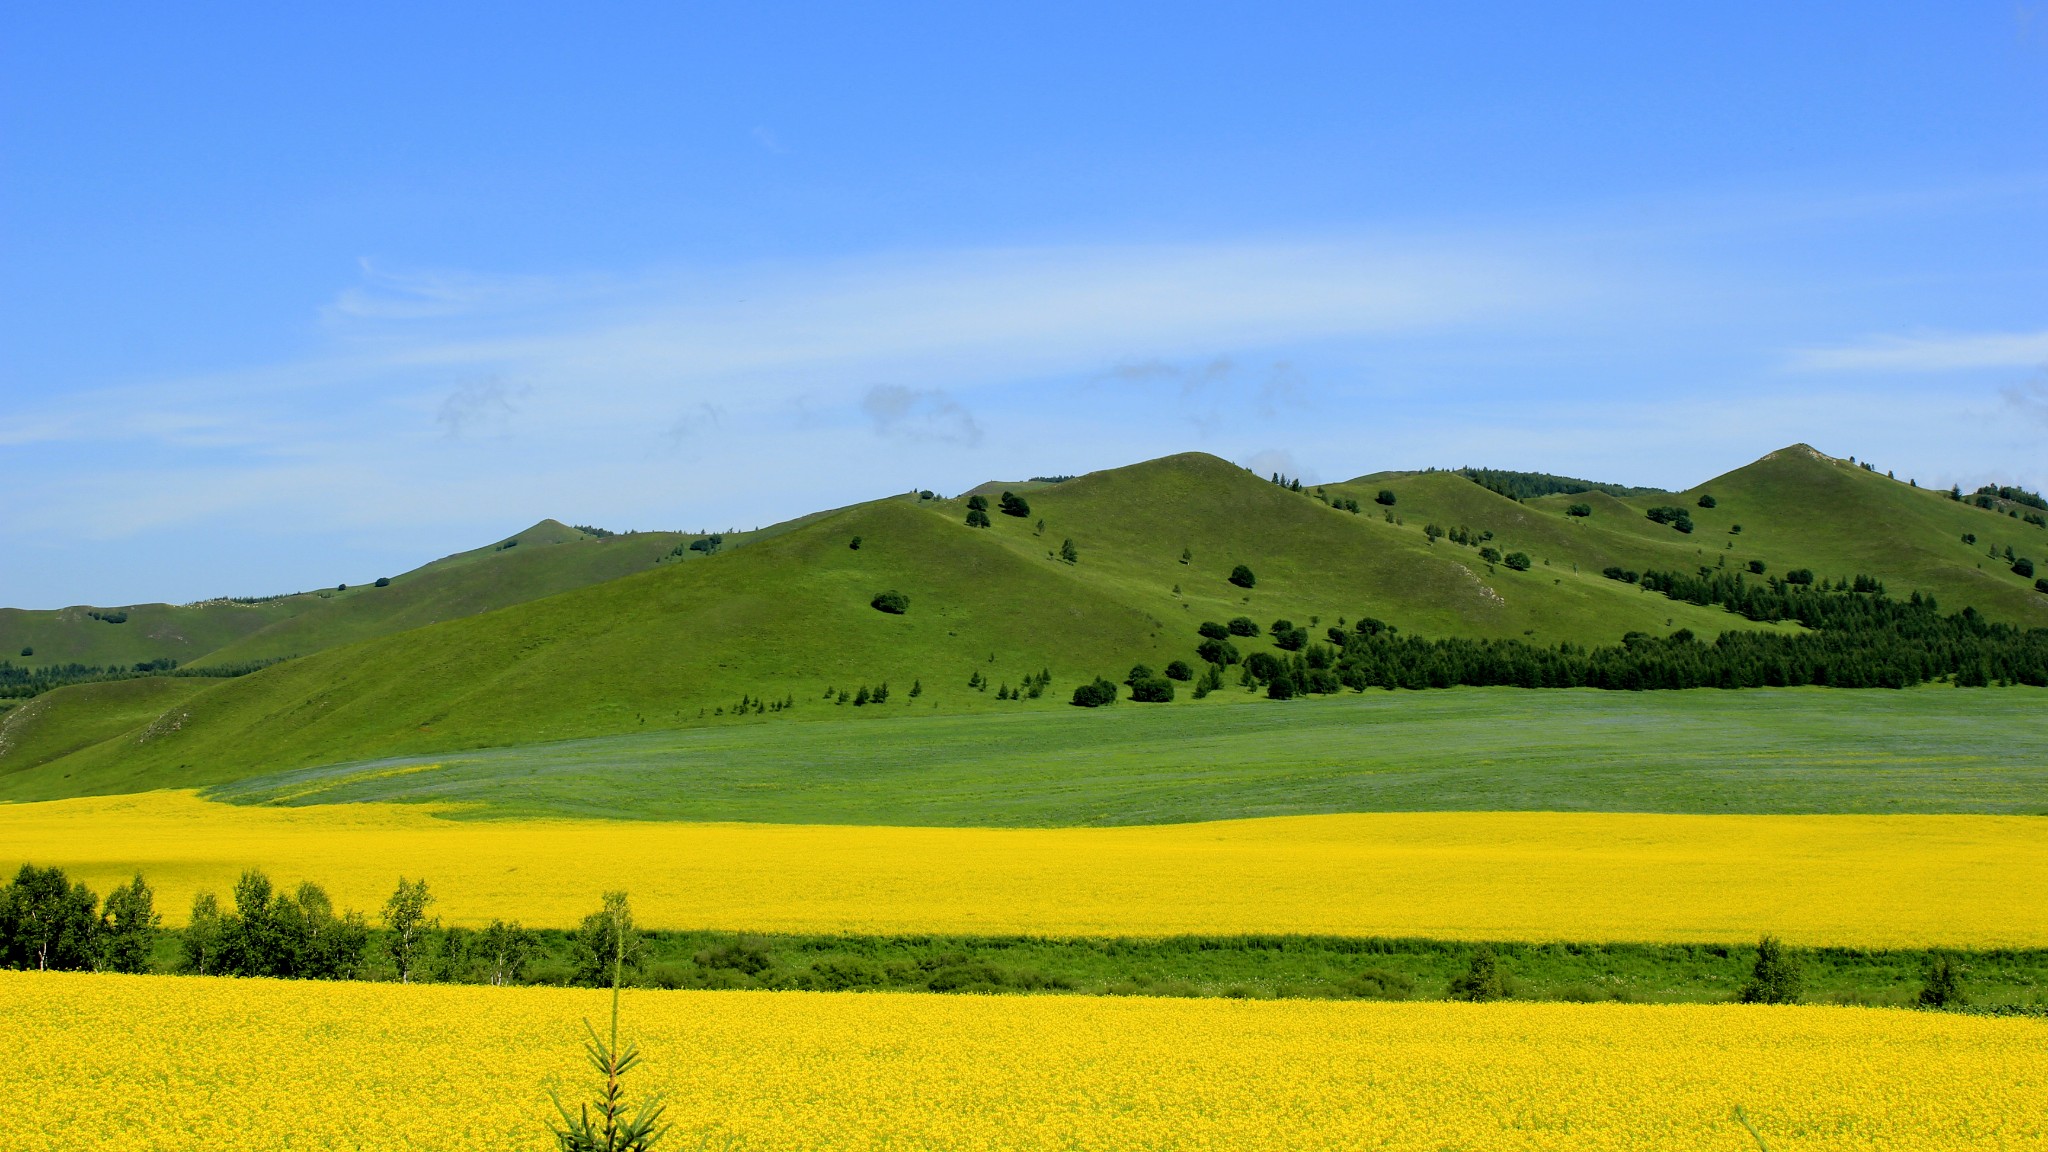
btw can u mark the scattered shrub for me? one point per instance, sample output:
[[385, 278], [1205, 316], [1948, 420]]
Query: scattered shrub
[[1756, 567], [1518, 561], [1013, 505], [1579, 510], [1799, 576], [854, 543], [2040, 585], [976, 518], [1068, 553], [1153, 690], [977, 503], [1243, 626], [1677, 518], [1378, 984], [1242, 577], [1942, 987], [1483, 980], [383, 581], [1385, 498], [1179, 670], [1217, 651], [1776, 977], [1290, 639], [1209, 630], [2023, 567], [1095, 694], [1490, 554], [893, 602], [28, 651], [1707, 501]]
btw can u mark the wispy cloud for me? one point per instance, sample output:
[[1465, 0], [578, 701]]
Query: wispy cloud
[[920, 414], [1932, 353]]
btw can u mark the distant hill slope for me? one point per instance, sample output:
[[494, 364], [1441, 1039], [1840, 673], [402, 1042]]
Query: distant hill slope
[[474, 651], [521, 567], [1797, 508]]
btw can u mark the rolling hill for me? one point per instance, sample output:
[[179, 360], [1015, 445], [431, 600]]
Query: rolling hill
[[474, 652]]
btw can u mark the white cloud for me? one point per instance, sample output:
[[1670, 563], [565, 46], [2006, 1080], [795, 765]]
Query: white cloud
[[1934, 353]]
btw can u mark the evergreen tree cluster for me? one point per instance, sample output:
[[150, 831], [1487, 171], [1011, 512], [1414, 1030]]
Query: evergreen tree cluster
[[1857, 638], [1030, 688], [1529, 485], [754, 705]]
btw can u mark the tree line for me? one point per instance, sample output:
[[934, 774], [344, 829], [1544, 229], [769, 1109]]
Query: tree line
[[1858, 637], [19, 682]]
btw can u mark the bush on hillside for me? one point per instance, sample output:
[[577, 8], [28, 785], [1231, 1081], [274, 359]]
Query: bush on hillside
[[1179, 670], [1756, 567], [977, 503], [1677, 518], [1385, 498], [1095, 694], [1217, 651], [1290, 639], [976, 518], [1579, 510], [383, 581], [893, 602], [1490, 554], [1242, 577], [2023, 567], [1155, 690], [1517, 561], [1139, 672], [1280, 687], [1211, 630], [1707, 501], [1014, 505], [854, 543], [1799, 576], [1243, 626], [2040, 585]]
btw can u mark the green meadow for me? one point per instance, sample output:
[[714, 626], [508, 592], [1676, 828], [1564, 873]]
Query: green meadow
[[1929, 750]]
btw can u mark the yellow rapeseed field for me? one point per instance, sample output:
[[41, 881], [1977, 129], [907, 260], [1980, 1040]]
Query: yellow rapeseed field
[[127, 1064], [1847, 880]]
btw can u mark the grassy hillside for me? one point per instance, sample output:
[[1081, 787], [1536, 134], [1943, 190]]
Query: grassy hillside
[[1797, 508], [546, 559], [1763, 751], [522, 567], [58, 723]]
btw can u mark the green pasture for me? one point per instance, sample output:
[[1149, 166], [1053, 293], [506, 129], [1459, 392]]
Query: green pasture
[[1929, 750]]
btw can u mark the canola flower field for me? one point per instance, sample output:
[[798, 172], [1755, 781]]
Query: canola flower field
[[1865, 881], [149, 1063]]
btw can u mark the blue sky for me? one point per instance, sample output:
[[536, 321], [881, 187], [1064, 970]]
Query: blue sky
[[292, 298]]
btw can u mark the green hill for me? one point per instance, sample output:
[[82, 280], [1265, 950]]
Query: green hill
[[1796, 508], [564, 636], [525, 566]]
